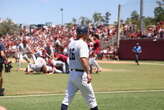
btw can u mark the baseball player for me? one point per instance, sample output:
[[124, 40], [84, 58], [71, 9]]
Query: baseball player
[[93, 63], [80, 75], [24, 50], [37, 66], [63, 60]]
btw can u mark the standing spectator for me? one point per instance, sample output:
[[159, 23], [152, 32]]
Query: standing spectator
[[137, 50]]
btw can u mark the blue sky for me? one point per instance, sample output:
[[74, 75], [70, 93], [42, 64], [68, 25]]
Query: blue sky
[[41, 11]]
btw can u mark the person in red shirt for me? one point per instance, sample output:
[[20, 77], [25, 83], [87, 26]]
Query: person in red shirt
[[62, 58], [96, 45]]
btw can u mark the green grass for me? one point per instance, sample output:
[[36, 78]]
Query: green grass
[[121, 101], [120, 77]]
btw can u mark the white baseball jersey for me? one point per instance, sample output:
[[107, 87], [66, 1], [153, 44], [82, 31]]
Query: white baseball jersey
[[38, 64], [78, 79], [23, 49], [77, 49]]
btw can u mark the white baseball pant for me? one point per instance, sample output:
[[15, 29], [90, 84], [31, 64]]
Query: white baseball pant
[[78, 81]]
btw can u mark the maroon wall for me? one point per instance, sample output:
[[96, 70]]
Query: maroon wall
[[151, 50]]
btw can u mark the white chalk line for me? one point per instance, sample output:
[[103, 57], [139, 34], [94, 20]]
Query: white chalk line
[[158, 64], [112, 92]]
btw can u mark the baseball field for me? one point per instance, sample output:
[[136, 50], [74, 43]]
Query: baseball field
[[122, 85]]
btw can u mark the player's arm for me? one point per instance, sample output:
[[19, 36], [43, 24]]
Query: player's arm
[[86, 67]]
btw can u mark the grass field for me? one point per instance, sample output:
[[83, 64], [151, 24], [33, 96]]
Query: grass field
[[118, 76]]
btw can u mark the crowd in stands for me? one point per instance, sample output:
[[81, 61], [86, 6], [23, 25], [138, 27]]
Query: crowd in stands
[[58, 37], [152, 31]]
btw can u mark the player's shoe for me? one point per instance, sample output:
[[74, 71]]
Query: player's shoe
[[99, 70], [95, 108], [64, 107]]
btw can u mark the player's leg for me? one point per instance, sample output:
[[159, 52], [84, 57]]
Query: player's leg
[[57, 71], [20, 60], [25, 57], [95, 64], [29, 69], [60, 63], [67, 66], [18, 63], [64, 67], [88, 93], [17, 60], [137, 58], [1, 80], [34, 58], [99, 69], [69, 95]]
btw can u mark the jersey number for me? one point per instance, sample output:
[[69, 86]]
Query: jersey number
[[72, 54]]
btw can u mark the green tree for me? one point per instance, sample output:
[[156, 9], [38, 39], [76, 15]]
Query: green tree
[[98, 18], [135, 17], [74, 20], [159, 14], [149, 21], [160, 3], [84, 20], [8, 27], [107, 15], [128, 21]]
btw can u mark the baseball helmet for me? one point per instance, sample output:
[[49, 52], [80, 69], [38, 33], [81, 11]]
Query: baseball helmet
[[82, 29]]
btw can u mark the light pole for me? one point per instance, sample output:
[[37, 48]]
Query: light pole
[[118, 26], [141, 17], [62, 15]]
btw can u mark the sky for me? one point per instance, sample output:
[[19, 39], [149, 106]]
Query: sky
[[41, 11]]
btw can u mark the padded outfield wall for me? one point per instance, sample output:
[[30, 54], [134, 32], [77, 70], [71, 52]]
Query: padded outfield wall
[[151, 50]]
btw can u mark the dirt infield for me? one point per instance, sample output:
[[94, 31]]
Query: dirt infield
[[106, 69], [115, 62]]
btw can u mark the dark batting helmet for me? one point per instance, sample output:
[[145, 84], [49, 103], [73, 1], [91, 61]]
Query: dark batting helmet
[[82, 29]]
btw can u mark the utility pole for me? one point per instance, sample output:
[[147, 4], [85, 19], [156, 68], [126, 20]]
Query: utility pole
[[141, 17], [118, 26]]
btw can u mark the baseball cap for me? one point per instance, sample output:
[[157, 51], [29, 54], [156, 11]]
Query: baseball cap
[[82, 29]]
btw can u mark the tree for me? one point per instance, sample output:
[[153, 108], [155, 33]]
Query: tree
[[48, 23], [98, 18], [159, 14], [149, 21], [160, 3], [128, 21], [134, 17], [159, 11], [107, 15], [84, 20], [8, 27], [74, 20]]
